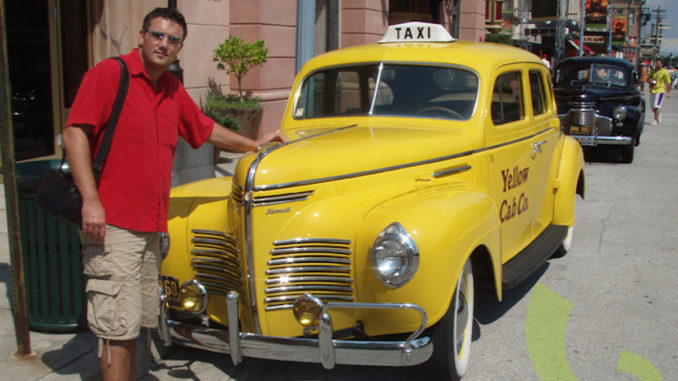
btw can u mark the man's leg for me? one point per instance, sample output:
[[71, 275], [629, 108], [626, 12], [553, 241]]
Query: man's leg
[[114, 299], [121, 365]]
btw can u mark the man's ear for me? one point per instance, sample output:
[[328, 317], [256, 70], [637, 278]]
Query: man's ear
[[141, 37]]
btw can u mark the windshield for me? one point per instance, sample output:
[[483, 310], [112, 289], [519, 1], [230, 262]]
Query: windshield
[[597, 74], [389, 90]]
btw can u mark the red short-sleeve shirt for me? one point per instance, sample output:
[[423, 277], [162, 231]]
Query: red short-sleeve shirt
[[136, 179]]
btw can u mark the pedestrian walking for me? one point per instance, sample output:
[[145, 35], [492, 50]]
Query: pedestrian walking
[[124, 214], [660, 86], [643, 75]]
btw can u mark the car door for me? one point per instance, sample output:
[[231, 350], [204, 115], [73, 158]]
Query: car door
[[546, 129], [509, 145]]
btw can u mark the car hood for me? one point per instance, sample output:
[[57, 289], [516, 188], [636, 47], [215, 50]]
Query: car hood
[[593, 93], [356, 150]]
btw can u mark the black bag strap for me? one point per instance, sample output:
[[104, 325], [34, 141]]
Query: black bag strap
[[102, 153]]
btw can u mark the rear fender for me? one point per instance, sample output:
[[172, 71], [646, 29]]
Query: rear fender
[[569, 183]]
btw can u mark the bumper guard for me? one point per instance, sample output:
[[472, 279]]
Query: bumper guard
[[323, 349]]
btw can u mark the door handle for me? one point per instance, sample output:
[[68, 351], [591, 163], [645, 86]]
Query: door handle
[[536, 148]]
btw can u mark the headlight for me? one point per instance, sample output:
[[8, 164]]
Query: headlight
[[394, 256], [619, 112], [193, 297]]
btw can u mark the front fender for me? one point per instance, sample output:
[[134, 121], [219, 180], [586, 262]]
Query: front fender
[[569, 183], [198, 205], [447, 223]]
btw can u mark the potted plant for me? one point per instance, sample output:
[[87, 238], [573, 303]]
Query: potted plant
[[240, 112]]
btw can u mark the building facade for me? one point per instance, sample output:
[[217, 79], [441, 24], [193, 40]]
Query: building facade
[[65, 38]]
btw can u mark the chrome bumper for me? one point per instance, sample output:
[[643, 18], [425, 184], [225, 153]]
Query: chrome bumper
[[324, 350], [590, 140]]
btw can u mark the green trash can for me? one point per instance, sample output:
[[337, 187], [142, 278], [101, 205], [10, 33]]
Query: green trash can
[[55, 286]]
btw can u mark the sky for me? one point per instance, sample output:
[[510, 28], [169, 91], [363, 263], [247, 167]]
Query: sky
[[670, 42]]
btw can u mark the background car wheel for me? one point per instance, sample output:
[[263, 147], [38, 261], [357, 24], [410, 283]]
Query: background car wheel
[[627, 153], [566, 245], [452, 335]]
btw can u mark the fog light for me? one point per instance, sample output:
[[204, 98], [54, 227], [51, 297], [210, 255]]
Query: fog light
[[193, 297], [307, 310]]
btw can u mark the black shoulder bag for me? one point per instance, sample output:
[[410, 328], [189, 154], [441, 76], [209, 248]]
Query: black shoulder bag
[[57, 192]]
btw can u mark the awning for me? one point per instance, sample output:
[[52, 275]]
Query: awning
[[587, 50]]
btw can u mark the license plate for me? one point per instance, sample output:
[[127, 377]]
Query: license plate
[[585, 130], [170, 286]]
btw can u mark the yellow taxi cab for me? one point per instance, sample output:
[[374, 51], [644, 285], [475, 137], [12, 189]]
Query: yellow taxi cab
[[417, 169]]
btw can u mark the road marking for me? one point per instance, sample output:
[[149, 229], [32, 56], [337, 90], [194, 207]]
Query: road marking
[[630, 362], [547, 315], [545, 325]]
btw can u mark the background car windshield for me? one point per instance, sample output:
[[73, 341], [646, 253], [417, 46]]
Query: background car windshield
[[599, 74], [389, 90]]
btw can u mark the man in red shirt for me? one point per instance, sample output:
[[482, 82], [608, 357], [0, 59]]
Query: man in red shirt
[[124, 214]]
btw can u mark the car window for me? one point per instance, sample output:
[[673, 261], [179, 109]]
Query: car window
[[537, 92], [577, 75], [608, 75], [389, 90], [507, 100]]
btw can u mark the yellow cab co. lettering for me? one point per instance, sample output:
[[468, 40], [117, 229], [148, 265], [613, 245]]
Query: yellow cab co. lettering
[[513, 178], [514, 208], [408, 33]]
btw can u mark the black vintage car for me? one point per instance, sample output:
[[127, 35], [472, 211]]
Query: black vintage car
[[599, 102]]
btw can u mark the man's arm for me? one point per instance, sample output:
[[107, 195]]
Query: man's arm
[[229, 140], [78, 155]]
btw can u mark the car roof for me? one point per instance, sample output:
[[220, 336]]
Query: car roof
[[596, 60], [479, 56]]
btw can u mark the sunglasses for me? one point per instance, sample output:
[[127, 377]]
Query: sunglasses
[[174, 40]]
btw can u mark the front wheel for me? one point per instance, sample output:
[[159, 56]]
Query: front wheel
[[452, 335], [627, 153]]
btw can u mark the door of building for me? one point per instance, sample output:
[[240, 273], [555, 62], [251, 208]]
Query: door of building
[[47, 56]]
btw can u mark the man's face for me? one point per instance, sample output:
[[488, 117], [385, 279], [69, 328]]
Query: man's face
[[160, 43], [659, 64]]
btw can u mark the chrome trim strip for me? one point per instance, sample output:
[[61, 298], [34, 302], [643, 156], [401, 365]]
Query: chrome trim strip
[[396, 167], [332, 241], [373, 102], [308, 269], [300, 279], [212, 232], [273, 290], [293, 260], [297, 250], [589, 140], [275, 299], [451, 171], [277, 199]]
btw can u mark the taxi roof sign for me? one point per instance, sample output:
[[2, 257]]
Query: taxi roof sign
[[416, 32]]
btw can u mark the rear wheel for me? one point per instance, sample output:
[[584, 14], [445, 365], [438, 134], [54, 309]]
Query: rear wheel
[[452, 335]]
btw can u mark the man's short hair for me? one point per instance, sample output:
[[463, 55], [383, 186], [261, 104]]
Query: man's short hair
[[171, 14]]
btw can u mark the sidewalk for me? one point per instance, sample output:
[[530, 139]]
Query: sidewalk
[[57, 356]]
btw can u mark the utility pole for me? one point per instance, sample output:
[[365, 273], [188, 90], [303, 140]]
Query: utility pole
[[610, 25], [659, 26], [19, 309]]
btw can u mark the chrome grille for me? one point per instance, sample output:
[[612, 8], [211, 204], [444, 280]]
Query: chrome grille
[[318, 266], [216, 260], [584, 114]]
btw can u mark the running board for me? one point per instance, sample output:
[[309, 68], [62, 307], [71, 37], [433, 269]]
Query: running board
[[533, 256]]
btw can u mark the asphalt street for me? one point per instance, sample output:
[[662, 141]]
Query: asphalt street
[[605, 311]]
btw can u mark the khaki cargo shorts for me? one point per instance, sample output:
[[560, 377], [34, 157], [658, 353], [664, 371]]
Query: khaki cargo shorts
[[123, 292]]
